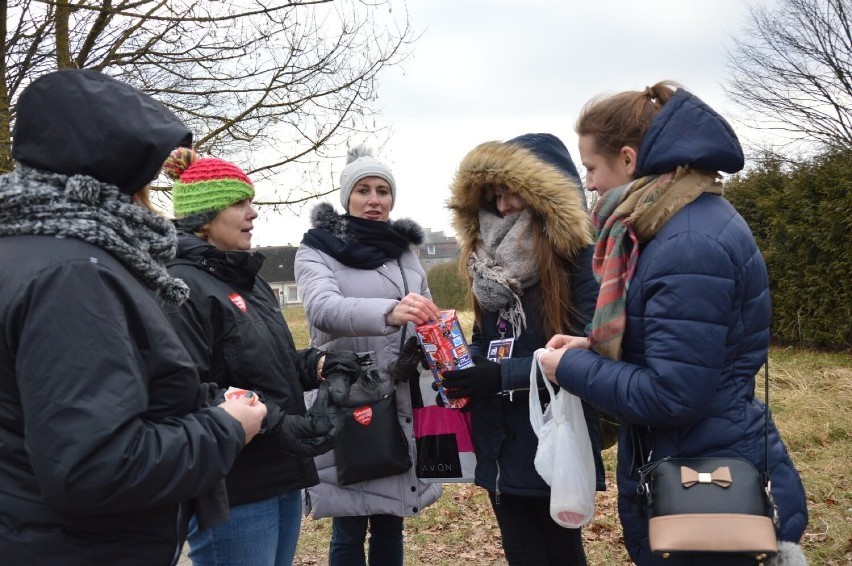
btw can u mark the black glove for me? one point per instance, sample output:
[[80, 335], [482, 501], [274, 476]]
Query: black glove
[[324, 410], [479, 381], [404, 368], [439, 400], [311, 357], [341, 369], [303, 436], [309, 435]]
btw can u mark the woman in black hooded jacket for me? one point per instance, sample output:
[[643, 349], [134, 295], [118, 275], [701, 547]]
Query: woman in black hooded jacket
[[102, 436]]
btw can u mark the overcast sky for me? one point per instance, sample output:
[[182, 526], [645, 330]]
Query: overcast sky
[[492, 70]]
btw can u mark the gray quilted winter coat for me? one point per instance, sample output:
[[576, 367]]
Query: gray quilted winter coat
[[346, 310]]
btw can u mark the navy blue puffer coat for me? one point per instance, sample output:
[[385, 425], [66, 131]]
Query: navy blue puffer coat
[[697, 332]]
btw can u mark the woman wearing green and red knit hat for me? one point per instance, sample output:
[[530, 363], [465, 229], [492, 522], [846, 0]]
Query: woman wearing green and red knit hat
[[233, 328]]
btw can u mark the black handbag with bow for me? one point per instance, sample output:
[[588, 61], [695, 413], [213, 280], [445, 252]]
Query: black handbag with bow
[[713, 504]]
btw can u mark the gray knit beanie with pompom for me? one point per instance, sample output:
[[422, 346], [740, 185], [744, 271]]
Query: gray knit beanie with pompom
[[360, 163]]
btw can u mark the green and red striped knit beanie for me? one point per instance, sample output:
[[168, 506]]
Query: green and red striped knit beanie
[[203, 187]]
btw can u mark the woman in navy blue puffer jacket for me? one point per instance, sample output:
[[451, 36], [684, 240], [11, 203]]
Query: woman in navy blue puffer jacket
[[681, 325]]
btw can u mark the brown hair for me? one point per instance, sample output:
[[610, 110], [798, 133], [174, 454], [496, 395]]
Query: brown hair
[[142, 197], [622, 119], [554, 282]]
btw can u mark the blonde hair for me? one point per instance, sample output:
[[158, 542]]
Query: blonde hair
[[142, 197]]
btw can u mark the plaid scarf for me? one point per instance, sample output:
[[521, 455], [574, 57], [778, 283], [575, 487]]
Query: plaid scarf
[[624, 218]]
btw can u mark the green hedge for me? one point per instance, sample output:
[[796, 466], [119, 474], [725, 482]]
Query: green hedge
[[449, 290], [801, 217]]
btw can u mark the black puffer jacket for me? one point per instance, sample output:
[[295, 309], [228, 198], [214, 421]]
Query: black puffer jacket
[[98, 441], [233, 328]]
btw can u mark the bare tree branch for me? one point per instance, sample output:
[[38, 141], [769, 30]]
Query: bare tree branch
[[792, 73], [273, 86]]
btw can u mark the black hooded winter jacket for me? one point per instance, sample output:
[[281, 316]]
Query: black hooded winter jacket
[[98, 439], [233, 328], [101, 438]]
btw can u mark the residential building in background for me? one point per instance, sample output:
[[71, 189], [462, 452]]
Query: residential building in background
[[277, 270], [437, 248]]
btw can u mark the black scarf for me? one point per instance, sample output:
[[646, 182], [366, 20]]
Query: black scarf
[[232, 266], [358, 242]]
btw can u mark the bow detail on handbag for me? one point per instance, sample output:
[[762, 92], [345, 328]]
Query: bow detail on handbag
[[721, 476]]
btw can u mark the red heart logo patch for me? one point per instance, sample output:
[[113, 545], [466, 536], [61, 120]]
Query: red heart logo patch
[[238, 301], [363, 415]]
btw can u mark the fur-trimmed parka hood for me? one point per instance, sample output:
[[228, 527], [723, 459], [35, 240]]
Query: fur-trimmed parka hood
[[539, 169], [324, 216]]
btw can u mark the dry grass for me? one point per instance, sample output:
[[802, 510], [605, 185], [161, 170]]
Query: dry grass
[[810, 394], [298, 323]]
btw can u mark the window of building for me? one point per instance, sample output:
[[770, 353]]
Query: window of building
[[430, 249], [292, 294]]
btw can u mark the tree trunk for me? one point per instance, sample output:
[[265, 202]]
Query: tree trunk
[[63, 51], [5, 106]]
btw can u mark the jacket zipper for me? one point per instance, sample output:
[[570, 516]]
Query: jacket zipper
[[510, 393]]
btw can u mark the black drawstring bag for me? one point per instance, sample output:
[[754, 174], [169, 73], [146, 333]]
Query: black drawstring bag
[[372, 443]]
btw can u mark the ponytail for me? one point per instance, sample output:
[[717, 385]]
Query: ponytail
[[622, 119]]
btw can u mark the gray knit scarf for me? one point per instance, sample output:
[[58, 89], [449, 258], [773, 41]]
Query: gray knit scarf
[[35, 202], [504, 264]]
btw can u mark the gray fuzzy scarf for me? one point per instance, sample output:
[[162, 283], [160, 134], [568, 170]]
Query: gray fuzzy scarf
[[35, 202], [503, 265]]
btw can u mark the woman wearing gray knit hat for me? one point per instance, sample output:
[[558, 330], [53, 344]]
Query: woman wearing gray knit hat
[[233, 328], [363, 290], [105, 432], [362, 165]]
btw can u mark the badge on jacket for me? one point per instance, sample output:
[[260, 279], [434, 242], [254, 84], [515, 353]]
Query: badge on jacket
[[500, 349], [238, 301]]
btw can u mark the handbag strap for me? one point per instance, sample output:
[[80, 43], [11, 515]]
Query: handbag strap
[[405, 289], [766, 420]]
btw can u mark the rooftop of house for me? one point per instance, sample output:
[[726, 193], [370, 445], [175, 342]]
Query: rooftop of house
[[278, 265], [438, 237]]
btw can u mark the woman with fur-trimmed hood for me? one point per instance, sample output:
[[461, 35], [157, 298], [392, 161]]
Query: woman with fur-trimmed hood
[[526, 250]]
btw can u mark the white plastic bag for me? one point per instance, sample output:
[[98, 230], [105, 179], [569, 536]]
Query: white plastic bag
[[564, 455]]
